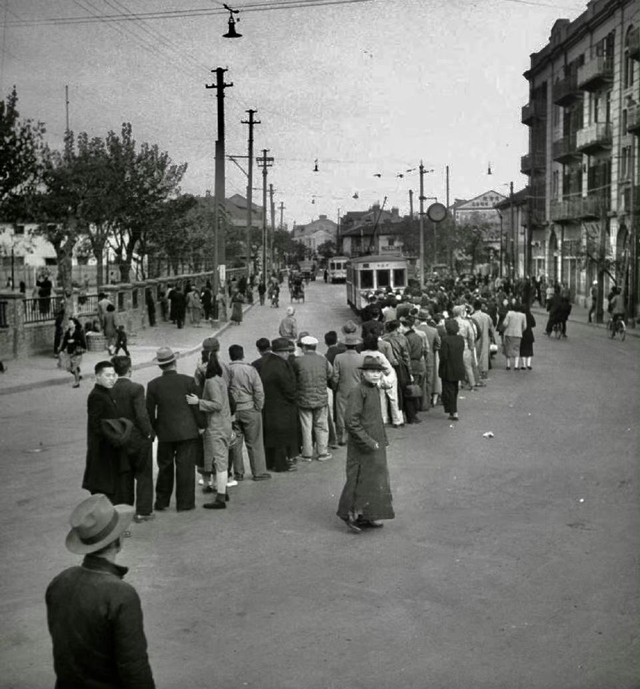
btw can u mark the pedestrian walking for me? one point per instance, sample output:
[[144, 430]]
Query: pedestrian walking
[[194, 307], [110, 327], [206, 297], [513, 327], [151, 307], [247, 391], [366, 497], [72, 347], [95, 618], [526, 344], [486, 335], [217, 435], [137, 482], [262, 290], [175, 424], [237, 300], [289, 325], [313, 376], [178, 307], [451, 368], [121, 341]]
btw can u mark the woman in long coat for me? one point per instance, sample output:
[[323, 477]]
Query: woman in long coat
[[366, 497], [526, 344], [280, 412], [237, 300]]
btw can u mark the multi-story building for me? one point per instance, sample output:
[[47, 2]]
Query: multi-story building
[[316, 233], [582, 163], [374, 231]]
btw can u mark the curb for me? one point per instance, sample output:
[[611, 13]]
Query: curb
[[51, 382]]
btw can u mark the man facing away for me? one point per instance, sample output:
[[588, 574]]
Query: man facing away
[[95, 618], [313, 375], [130, 403], [176, 425]]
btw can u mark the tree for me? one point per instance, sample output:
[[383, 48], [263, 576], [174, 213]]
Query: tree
[[21, 157], [146, 179]]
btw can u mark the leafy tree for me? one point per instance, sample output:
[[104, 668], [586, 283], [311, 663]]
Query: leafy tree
[[327, 249], [21, 157]]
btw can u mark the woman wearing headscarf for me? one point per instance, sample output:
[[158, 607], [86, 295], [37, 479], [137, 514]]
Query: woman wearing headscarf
[[513, 327], [451, 367]]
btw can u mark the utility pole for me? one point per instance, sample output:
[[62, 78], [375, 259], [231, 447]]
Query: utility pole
[[264, 162], [447, 187], [411, 205], [632, 293], [66, 108], [281, 226], [219, 190], [251, 122], [273, 223], [421, 225]]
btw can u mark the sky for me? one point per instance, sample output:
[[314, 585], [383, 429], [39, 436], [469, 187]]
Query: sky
[[365, 88]]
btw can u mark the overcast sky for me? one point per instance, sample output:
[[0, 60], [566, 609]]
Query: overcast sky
[[364, 87]]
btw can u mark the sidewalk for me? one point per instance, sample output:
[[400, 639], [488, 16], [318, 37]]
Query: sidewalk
[[579, 314], [40, 371]]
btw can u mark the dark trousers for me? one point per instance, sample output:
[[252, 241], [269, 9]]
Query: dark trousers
[[138, 483], [450, 396], [182, 455], [278, 457], [592, 310]]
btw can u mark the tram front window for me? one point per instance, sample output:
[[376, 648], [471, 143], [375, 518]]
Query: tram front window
[[399, 279], [366, 279], [384, 278]]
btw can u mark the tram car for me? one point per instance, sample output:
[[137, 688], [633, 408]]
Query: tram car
[[369, 274], [337, 269]]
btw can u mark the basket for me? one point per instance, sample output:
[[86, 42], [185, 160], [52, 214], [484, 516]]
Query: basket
[[96, 342]]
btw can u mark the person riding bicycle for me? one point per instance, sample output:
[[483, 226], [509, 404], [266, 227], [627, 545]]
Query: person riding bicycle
[[616, 307]]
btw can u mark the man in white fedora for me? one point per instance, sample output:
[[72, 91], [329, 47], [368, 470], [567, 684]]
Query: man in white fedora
[[94, 617]]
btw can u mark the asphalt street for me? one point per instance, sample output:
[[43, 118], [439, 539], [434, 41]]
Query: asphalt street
[[512, 561]]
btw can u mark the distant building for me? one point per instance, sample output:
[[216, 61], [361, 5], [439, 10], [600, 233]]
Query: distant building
[[481, 212], [584, 120], [316, 233], [359, 233]]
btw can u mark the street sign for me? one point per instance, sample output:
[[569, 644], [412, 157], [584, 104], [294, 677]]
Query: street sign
[[437, 212]]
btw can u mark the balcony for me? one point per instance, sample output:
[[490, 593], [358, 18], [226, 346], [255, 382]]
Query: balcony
[[634, 44], [595, 74], [595, 137], [530, 112], [566, 90], [592, 206], [564, 150], [531, 162], [564, 211], [633, 119]]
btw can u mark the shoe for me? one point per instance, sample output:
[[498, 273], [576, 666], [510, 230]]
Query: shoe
[[370, 523], [159, 508], [523, 368], [397, 425], [218, 504], [231, 483], [238, 477], [302, 458], [325, 457], [342, 444], [481, 385], [201, 482], [508, 368], [140, 518], [76, 385], [207, 489], [185, 509], [262, 477], [226, 497], [455, 417], [334, 446], [126, 534], [352, 525], [529, 367]]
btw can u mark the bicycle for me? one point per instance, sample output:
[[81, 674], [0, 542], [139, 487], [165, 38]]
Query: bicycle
[[616, 327]]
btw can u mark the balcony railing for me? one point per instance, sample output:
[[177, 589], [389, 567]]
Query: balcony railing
[[566, 90], [634, 44], [595, 73], [565, 210], [531, 111], [592, 206], [564, 150], [573, 208], [633, 119], [594, 137]]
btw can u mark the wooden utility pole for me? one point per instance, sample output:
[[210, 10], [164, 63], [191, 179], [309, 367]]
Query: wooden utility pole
[[273, 224], [411, 205], [251, 122], [447, 187], [281, 226], [602, 251], [264, 162], [219, 190], [514, 269], [421, 225], [66, 108]]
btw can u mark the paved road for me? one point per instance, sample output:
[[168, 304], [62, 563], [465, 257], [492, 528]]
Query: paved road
[[512, 562]]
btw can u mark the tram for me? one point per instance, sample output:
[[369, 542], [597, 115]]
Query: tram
[[368, 274], [337, 269]]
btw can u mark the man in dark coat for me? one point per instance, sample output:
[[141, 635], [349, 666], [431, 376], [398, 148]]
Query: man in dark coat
[[264, 349], [176, 425], [451, 368], [280, 413], [95, 618], [103, 461], [179, 306], [130, 403], [366, 497]]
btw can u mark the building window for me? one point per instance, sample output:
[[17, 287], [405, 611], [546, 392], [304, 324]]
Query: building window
[[628, 65], [366, 279], [555, 180], [391, 241]]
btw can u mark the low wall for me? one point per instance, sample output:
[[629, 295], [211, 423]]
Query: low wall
[[20, 338]]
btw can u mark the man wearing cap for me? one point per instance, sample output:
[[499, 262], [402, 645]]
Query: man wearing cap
[[346, 377], [176, 425], [280, 413], [427, 326], [366, 497], [95, 618], [313, 376], [104, 461]]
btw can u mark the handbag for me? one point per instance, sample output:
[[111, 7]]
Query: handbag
[[412, 391]]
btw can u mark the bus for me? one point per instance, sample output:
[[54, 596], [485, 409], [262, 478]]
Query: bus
[[369, 274], [337, 269]]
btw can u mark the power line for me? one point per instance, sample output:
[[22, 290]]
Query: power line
[[176, 14]]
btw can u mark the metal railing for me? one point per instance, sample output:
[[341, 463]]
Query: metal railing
[[41, 309], [87, 304], [596, 135], [595, 72]]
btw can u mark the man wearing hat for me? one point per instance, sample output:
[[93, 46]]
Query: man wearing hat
[[94, 617], [346, 377], [176, 425], [366, 497], [313, 375]]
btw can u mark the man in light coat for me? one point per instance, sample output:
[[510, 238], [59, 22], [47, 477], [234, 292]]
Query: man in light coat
[[486, 335], [346, 377]]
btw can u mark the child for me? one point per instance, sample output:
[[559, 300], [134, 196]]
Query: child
[[121, 341]]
